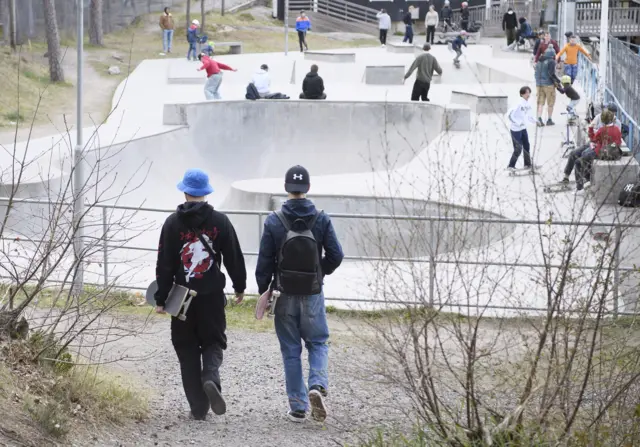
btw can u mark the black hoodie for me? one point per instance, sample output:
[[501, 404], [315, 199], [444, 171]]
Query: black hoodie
[[182, 257], [312, 86]]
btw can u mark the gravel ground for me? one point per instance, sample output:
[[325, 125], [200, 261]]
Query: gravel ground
[[253, 385]]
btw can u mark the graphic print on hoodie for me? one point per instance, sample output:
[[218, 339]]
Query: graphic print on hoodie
[[195, 257]]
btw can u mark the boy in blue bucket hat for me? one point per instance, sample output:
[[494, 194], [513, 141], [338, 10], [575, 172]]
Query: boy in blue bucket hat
[[193, 243]]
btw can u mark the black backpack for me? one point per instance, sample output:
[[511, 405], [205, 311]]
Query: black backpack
[[610, 152], [252, 92], [299, 271], [630, 195]]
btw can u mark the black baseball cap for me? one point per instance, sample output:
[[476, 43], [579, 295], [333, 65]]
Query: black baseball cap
[[297, 180]]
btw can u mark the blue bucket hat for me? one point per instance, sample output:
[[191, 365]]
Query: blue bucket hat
[[195, 183]]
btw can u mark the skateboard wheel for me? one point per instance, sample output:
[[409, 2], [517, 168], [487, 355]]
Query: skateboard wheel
[[182, 317]]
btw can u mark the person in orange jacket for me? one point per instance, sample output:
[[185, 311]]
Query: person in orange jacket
[[571, 61]]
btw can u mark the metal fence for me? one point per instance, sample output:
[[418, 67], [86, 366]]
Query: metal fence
[[433, 259]]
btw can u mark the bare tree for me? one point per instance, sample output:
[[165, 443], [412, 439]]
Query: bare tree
[[56, 74], [95, 28], [188, 13], [13, 36], [203, 14]]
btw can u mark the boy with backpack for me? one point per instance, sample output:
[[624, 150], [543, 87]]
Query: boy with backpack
[[192, 38], [290, 261]]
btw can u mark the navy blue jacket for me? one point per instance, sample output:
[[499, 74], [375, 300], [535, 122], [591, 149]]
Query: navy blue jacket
[[274, 233], [457, 43]]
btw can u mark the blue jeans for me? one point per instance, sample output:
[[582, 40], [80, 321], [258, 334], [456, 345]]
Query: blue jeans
[[192, 48], [520, 141], [212, 86], [167, 39], [583, 167], [408, 34], [301, 318], [571, 70]]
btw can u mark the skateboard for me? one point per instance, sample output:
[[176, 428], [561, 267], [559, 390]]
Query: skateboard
[[178, 301], [267, 303], [523, 171], [559, 187], [456, 64]]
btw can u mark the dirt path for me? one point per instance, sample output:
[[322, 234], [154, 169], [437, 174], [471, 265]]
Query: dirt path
[[253, 385]]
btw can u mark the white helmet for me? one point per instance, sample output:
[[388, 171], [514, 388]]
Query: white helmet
[[446, 2], [195, 22], [465, 4]]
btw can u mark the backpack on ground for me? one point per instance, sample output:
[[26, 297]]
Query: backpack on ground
[[299, 271], [630, 195], [610, 152], [252, 92]]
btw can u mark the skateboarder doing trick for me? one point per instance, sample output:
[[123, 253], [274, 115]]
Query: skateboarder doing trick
[[290, 260], [518, 118], [456, 46], [193, 242]]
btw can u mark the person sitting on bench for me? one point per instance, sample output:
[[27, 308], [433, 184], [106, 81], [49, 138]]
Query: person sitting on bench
[[312, 85]]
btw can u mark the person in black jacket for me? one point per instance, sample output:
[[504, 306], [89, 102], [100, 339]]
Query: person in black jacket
[[509, 25], [312, 85], [464, 16], [446, 14], [407, 19], [193, 242]]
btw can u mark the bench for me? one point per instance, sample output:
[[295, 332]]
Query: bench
[[234, 47], [384, 74], [327, 56], [481, 103], [609, 177], [401, 48]]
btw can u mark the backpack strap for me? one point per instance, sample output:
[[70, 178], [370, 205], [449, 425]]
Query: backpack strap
[[283, 219], [314, 220]]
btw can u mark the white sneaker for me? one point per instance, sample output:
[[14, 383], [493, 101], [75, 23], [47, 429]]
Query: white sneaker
[[383, 45], [161, 54], [579, 193], [510, 169], [587, 185]]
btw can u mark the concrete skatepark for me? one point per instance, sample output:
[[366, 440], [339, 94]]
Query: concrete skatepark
[[368, 148]]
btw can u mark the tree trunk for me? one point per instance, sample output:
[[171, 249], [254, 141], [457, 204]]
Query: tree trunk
[[12, 24], [188, 13], [32, 30], [203, 15], [95, 25], [222, 8], [53, 41]]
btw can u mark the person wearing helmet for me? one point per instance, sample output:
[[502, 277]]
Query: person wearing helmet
[[192, 38], [446, 14], [464, 16], [565, 88], [456, 45], [571, 60]]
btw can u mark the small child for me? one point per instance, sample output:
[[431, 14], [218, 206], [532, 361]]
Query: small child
[[209, 48], [567, 89], [456, 45], [192, 38]]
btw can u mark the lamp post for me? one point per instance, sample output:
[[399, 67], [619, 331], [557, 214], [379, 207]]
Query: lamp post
[[286, 27], [78, 177], [604, 50]]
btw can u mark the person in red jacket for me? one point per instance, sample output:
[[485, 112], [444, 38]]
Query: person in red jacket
[[606, 135], [544, 44], [214, 76]]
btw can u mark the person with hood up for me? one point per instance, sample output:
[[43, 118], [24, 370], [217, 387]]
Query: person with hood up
[[464, 16], [509, 25], [571, 61], [167, 26], [384, 23], [546, 80], [291, 261], [303, 24], [446, 14], [262, 81], [431, 20], [214, 76], [194, 241], [192, 38], [313, 85], [407, 19]]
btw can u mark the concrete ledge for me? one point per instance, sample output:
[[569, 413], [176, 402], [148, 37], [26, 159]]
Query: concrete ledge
[[384, 74], [481, 103], [327, 56], [234, 47], [401, 48], [609, 177]]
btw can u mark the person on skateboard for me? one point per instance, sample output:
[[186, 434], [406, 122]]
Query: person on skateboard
[[193, 242], [290, 260]]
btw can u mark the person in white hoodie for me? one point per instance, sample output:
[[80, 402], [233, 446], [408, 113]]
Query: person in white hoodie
[[519, 116], [384, 23], [431, 20], [262, 81]]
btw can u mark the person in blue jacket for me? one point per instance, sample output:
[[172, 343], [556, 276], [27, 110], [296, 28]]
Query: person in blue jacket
[[303, 24], [192, 38], [300, 317], [456, 45]]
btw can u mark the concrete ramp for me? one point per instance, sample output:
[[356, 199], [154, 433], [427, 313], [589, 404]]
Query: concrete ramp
[[481, 102], [329, 56]]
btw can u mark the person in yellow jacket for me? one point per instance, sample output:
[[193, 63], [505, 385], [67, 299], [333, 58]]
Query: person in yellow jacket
[[571, 60]]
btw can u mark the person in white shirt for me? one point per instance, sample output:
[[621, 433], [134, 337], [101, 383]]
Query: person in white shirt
[[384, 23], [431, 21], [261, 81], [518, 117]]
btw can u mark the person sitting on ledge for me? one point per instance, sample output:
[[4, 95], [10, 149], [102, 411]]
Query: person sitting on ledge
[[312, 85]]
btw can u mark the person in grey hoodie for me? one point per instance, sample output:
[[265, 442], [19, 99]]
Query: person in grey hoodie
[[545, 88], [431, 21], [426, 64], [384, 23]]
